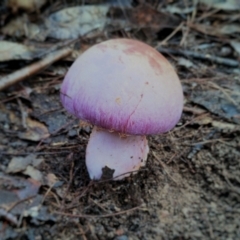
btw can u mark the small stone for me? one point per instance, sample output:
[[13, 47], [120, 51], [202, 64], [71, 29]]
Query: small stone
[[72, 133], [123, 237]]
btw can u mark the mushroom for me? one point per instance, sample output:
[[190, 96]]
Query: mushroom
[[127, 90]]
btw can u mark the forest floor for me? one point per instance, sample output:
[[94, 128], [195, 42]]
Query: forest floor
[[190, 186]]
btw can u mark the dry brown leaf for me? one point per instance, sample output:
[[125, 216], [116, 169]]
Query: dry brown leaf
[[18, 188], [15, 51], [236, 46], [27, 5], [148, 17], [217, 124], [185, 63], [33, 173], [22, 26], [224, 125], [36, 131], [51, 179], [68, 23], [145, 17], [19, 164], [219, 102], [77, 21]]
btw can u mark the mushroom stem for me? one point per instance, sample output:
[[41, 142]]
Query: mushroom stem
[[109, 150]]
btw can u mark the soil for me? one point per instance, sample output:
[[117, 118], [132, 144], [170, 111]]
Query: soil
[[189, 189]]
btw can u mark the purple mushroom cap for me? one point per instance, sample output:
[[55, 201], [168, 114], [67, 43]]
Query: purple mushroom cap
[[124, 85]]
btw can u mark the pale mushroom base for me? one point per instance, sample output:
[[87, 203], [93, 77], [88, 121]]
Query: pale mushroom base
[[123, 154]]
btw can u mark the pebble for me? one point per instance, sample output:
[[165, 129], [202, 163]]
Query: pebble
[[123, 237]]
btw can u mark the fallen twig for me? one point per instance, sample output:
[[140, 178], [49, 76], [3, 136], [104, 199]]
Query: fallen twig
[[200, 145], [97, 216], [194, 110], [8, 216], [187, 53], [18, 202], [165, 168], [177, 29], [22, 74]]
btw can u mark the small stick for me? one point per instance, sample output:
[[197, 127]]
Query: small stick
[[97, 216], [200, 145], [187, 53], [23, 113], [194, 110], [177, 29], [8, 216], [224, 92], [22, 74], [163, 165], [18, 202]]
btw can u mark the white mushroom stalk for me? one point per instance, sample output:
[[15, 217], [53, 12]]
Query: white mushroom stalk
[[123, 154], [126, 86]]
